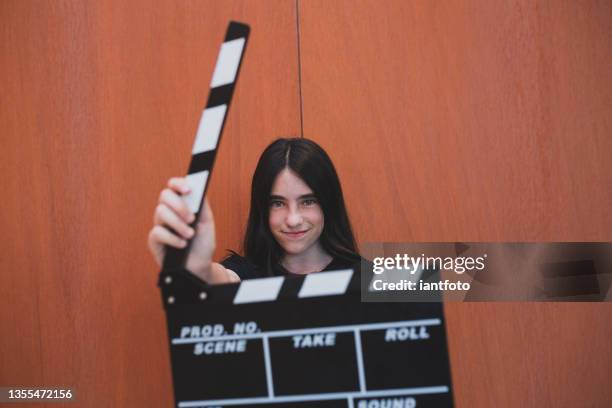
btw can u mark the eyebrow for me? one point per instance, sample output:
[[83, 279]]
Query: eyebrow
[[302, 197]]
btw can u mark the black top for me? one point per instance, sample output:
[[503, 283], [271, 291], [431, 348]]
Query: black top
[[245, 269]]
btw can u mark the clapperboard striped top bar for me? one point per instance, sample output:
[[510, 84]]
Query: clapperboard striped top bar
[[177, 290], [313, 285], [211, 127]]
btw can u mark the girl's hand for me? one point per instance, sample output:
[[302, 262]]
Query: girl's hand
[[172, 226]]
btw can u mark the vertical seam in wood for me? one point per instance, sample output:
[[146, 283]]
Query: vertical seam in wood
[[299, 60], [40, 332]]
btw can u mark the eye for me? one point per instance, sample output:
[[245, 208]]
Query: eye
[[276, 204], [309, 202]]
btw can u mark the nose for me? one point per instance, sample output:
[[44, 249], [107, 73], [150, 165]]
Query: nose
[[294, 218]]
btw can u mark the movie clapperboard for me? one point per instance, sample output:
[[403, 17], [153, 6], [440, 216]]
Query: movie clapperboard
[[294, 341]]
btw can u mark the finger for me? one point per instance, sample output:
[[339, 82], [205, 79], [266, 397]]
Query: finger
[[180, 185], [161, 235], [165, 216], [176, 204], [233, 276]]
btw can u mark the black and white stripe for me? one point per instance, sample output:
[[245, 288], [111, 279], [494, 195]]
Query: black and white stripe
[[313, 285], [180, 289], [211, 126]]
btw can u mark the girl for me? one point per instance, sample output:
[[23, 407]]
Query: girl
[[297, 223]]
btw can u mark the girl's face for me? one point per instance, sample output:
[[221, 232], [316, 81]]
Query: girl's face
[[296, 219]]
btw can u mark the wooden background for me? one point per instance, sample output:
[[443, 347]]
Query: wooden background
[[462, 120]]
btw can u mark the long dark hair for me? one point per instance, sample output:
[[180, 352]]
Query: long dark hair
[[310, 162]]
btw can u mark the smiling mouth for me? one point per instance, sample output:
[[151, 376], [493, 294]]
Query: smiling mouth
[[296, 234]]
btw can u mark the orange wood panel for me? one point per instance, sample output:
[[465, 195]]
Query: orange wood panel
[[100, 104], [476, 121], [530, 354]]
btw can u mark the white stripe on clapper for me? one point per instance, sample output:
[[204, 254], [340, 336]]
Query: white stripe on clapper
[[268, 362], [325, 283], [258, 290], [197, 183], [313, 330], [209, 129], [437, 389], [361, 371], [227, 63]]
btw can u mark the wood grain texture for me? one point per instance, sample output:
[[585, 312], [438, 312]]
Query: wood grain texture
[[468, 121], [100, 104], [530, 355], [477, 121]]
